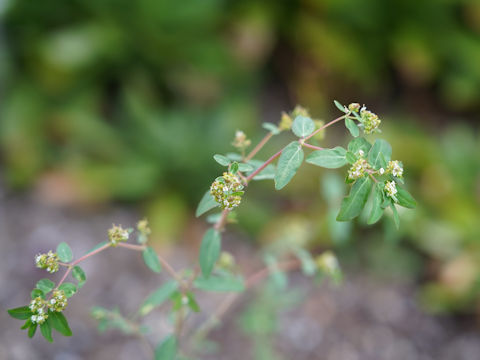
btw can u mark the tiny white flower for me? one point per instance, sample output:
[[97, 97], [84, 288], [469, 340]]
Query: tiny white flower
[[184, 300], [391, 188], [53, 301], [381, 171], [360, 152], [33, 318]]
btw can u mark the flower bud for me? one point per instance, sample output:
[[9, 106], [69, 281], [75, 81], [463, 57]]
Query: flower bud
[[355, 107], [240, 141], [370, 121]]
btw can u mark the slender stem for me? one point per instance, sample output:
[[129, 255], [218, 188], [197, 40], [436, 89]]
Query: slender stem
[[259, 146], [179, 321], [265, 164], [132, 246], [325, 126], [223, 219], [164, 262], [86, 256], [312, 146], [230, 299]]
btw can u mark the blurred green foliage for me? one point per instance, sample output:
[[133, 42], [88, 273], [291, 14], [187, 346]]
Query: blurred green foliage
[[121, 100]]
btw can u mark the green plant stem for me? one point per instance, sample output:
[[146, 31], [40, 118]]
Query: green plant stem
[[324, 127], [259, 146]]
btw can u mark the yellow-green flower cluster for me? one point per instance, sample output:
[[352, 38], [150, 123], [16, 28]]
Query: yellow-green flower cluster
[[395, 168], [391, 189], [117, 234], [38, 307], [285, 122], [47, 261], [226, 261], [358, 169], [58, 302], [143, 228], [227, 191], [327, 262], [370, 121], [240, 141]]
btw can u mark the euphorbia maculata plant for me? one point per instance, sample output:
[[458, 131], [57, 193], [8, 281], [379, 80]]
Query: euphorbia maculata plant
[[372, 174]]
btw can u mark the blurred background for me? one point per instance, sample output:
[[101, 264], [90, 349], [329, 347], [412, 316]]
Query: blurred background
[[112, 110]]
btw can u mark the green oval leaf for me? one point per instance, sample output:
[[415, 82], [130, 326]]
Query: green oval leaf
[[359, 144], [245, 167], [45, 285], [234, 167], [223, 283], [328, 158], [64, 252], [21, 313], [31, 330], [405, 199], [302, 126], [353, 204], [271, 127], [158, 297], [68, 288], [380, 154], [79, 275], [396, 218], [151, 260], [352, 127], [209, 251], [167, 349], [377, 211], [222, 160], [59, 322], [36, 293], [288, 164], [207, 203], [46, 330], [340, 106]]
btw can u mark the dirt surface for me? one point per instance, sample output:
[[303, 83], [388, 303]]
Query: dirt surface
[[364, 319]]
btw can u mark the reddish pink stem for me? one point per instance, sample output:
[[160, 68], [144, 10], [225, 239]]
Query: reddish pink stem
[[70, 266], [325, 126], [265, 164], [312, 146], [259, 146]]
